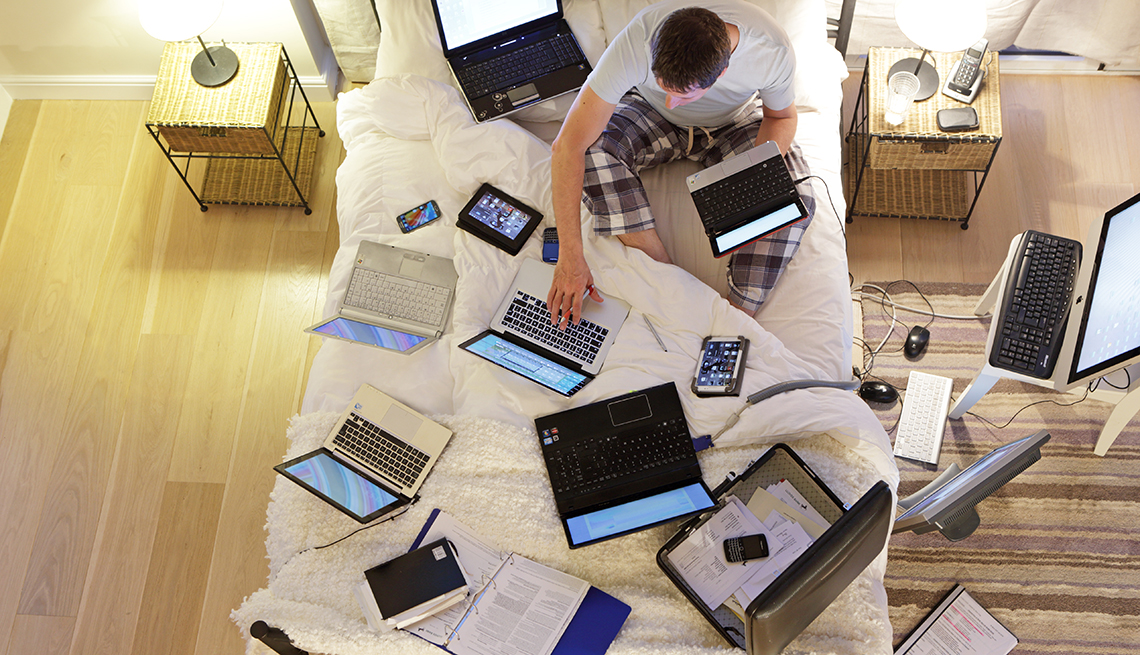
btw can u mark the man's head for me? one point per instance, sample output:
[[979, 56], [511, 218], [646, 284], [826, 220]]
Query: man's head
[[690, 51]]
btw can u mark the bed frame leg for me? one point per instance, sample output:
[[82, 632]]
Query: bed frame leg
[[274, 638]]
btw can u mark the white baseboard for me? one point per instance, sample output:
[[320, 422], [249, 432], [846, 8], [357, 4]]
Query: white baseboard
[[5, 108], [114, 87]]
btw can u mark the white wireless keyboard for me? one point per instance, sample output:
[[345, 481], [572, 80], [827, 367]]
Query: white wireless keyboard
[[923, 419]]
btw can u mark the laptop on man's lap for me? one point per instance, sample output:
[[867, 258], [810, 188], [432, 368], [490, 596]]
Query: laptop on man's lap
[[746, 198]]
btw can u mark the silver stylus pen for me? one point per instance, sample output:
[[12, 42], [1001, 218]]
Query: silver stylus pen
[[654, 331]]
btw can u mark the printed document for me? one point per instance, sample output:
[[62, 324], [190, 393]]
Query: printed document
[[959, 626]]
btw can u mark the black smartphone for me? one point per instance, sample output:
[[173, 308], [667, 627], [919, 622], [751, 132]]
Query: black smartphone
[[721, 366], [550, 245], [749, 547], [418, 217]]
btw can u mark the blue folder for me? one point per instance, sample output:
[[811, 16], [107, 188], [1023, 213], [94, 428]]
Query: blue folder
[[595, 625]]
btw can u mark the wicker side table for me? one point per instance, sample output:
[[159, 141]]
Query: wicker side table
[[915, 170], [256, 135]]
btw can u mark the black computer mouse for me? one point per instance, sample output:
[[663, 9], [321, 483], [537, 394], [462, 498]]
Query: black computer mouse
[[916, 342], [875, 391]]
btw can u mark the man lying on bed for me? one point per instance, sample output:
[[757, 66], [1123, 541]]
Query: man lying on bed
[[677, 82]]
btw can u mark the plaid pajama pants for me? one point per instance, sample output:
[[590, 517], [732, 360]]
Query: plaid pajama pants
[[637, 138]]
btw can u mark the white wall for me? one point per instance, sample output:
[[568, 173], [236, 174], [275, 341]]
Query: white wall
[[98, 49]]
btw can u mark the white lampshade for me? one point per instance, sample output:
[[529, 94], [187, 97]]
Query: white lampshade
[[942, 25], [178, 20]]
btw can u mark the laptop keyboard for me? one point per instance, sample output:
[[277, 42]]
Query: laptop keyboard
[[519, 66], [1035, 305], [367, 442], [593, 464], [766, 181], [397, 297], [529, 316]]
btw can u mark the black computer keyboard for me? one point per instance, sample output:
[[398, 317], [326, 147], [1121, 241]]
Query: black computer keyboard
[[517, 66], [1038, 293], [768, 180], [528, 315], [385, 453], [593, 464]]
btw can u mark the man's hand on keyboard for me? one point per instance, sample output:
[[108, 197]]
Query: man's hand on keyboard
[[572, 283]]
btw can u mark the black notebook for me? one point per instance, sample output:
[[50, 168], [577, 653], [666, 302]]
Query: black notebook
[[416, 578]]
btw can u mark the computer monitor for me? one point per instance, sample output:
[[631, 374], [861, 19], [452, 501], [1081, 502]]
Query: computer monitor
[[1105, 316], [947, 504]]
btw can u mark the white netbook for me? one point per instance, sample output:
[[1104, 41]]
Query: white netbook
[[746, 198], [374, 459], [396, 299]]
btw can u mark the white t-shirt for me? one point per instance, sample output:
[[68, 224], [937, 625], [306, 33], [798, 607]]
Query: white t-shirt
[[763, 62]]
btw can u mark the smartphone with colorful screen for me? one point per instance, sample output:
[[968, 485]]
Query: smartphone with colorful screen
[[418, 217]]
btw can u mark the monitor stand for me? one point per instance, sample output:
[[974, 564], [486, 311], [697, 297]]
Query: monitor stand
[[1126, 401]]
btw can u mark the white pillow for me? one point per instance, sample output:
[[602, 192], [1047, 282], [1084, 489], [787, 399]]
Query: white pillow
[[409, 43]]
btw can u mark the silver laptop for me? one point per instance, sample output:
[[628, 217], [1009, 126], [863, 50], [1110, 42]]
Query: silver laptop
[[387, 440], [510, 54], [746, 198], [396, 299], [523, 314]]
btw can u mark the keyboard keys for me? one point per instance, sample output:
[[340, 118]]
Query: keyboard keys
[[923, 420], [1036, 303], [594, 464], [529, 316], [768, 180], [385, 453], [527, 63], [397, 297]]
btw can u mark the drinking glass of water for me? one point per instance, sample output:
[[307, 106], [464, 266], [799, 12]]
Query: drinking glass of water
[[901, 89]]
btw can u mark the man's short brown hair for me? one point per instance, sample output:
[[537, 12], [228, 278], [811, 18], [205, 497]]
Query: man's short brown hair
[[690, 49]]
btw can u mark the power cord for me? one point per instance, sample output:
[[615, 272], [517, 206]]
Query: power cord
[[842, 227], [782, 387]]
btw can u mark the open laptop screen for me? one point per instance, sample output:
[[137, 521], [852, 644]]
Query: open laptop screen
[[1110, 328], [549, 374], [467, 21], [339, 485], [759, 227], [373, 335], [635, 515]]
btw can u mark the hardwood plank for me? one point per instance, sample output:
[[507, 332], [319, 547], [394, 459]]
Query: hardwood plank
[[238, 567], [44, 635], [22, 118], [116, 295], [222, 344], [36, 379], [322, 189], [178, 570], [332, 244], [113, 593]]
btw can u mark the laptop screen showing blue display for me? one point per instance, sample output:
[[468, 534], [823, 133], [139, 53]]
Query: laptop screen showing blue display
[[638, 514], [373, 335], [512, 357], [338, 484]]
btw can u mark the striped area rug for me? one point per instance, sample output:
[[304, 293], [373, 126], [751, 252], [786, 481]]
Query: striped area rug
[[1057, 556]]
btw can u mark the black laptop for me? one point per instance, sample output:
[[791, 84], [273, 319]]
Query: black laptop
[[509, 55], [622, 465]]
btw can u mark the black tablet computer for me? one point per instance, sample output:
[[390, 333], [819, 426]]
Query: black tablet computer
[[499, 219]]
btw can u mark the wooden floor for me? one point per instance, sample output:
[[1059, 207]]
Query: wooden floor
[[151, 354]]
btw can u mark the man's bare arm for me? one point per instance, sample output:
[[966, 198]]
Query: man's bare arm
[[779, 126], [584, 123]]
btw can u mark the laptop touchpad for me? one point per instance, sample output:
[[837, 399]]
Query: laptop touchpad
[[401, 423], [630, 410], [411, 267]]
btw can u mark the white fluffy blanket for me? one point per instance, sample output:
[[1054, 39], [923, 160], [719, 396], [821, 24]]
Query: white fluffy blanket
[[492, 478]]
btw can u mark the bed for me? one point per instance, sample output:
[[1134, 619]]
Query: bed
[[409, 137]]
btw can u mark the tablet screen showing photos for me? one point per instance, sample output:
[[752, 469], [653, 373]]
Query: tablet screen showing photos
[[499, 219]]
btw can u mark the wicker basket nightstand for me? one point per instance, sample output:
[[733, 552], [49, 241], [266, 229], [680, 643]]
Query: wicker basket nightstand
[[256, 135], [915, 170]]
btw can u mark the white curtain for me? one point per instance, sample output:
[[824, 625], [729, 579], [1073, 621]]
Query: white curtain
[[1107, 31]]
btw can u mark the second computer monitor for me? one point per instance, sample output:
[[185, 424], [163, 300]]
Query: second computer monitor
[[1104, 324]]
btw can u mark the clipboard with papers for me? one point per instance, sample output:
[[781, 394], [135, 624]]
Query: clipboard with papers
[[563, 616], [780, 496]]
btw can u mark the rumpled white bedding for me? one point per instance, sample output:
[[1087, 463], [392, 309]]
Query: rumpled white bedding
[[410, 138]]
